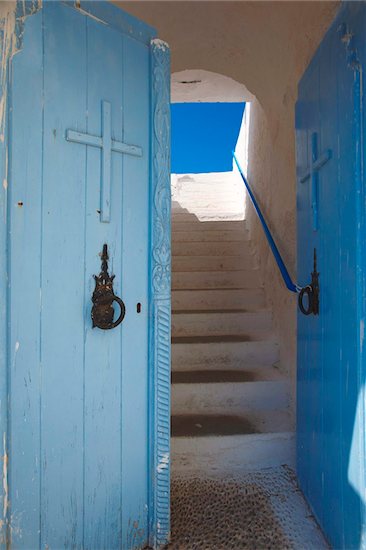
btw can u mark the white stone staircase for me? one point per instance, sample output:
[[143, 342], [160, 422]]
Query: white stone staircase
[[230, 401]]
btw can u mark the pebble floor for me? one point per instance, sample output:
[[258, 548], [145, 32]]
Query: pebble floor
[[256, 511]]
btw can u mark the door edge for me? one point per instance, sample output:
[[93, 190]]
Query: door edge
[[160, 296]]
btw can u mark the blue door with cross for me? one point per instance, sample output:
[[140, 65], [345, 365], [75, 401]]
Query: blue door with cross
[[85, 219], [331, 208]]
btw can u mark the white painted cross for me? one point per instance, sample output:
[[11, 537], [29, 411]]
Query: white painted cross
[[316, 163], [107, 145]]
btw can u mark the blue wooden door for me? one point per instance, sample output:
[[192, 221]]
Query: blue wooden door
[[79, 415], [331, 219]]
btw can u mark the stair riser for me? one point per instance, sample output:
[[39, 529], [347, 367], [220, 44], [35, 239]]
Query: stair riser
[[209, 236], [178, 226], [202, 300], [229, 398], [224, 279], [213, 249], [257, 324], [207, 216], [223, 355], [210, 263], [206, 208], [219, 455], [186, 190], [203, 199], [205, 204], [206, 198]]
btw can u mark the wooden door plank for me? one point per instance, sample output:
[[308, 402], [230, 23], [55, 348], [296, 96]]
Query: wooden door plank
[[310, 389], [331, 307], [135, 289], [103, 347], [63, 308], [352, 457], [25, 203]]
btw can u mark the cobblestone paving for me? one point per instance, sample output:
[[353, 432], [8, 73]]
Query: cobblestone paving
[[257, 511]]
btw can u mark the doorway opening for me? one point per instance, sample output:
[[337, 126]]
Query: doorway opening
[[230, 400], [232, 416]]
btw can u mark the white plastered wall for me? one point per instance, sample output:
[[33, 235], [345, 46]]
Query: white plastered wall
[[266, 46]]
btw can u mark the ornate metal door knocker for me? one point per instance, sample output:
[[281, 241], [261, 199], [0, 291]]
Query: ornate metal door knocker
[[312, 293], [102, 313]]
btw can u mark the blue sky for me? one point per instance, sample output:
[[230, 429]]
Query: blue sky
[[204, 135]]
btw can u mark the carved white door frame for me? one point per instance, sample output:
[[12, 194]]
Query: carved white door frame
[[160, 304]]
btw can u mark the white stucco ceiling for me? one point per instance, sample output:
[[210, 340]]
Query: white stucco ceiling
[[197, 85]]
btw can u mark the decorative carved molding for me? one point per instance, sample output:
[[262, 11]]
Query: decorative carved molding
[[160, 288], [161, 475], [161, 167]]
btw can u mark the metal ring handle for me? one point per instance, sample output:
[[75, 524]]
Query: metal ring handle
[[107, 325], [308, 290], [121, 315]]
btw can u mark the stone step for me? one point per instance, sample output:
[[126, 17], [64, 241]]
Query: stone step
[[225, 353], [211, 263], [252, 422], [207, 216], [234, 398], [196, 280], [205, 195], [208, 236], [257, 374], [212, 178], [227, 299], [222, 323], [218, 455], [191, 189], [206, 205], [221, 249], [204, 226], [197, 188], [209, 202], [206, 199]]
